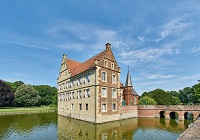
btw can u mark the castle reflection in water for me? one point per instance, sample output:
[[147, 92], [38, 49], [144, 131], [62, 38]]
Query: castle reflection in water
[[135, 128]]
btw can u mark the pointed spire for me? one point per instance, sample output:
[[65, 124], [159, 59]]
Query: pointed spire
[[128, 80]]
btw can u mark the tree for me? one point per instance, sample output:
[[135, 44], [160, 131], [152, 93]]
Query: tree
[[15, 85], [48, 94], [145, 100], [195, 96], [185, 95], [27, 96], [6, 95], [161, 97]]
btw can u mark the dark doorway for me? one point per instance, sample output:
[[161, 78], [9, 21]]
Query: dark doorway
[[188, 116], [173, 115], [162, 114]]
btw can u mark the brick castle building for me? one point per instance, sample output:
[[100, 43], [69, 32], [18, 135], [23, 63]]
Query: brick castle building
[[92, 91]]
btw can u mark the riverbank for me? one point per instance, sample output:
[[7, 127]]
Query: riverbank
[[25, 110], [192, 132]]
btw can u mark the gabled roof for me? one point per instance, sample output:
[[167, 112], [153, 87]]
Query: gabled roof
[[77, 67]]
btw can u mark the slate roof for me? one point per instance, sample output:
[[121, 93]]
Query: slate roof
[[129, 83], [77, 67], [128, 80]]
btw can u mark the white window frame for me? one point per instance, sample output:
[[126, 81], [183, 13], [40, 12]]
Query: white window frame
[[102, 108], [104, 77], [102, 93], [114, 93], [114, 80], [113, 107]]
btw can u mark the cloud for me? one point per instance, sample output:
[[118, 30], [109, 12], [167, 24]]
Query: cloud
[[158, 76], [146, 54], [171, 27], [80, 36], [195, 50], [141, 38], [30, 46]]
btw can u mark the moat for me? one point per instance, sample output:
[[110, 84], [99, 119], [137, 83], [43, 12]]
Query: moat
[[50, 126]]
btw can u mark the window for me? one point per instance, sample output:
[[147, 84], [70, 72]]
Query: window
[[67, 97], [87, 93], [80, 93], [114, 79], [88, 78], [80, 106], [72, 106], [103, 76], [86, 106], [80, 80], [114, 94], [106, 63], [73, 95], [77, 94], [104, 93], [114, 107], [112, 65], [103, 107]]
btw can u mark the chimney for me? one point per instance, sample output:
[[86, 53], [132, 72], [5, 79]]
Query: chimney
[[108, 45]]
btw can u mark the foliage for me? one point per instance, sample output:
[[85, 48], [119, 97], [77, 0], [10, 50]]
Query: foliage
[[162, 97], [185, 95], [6, 95], [15, 85], [27, 96], [48, 94], [145, 100], [195, 97]]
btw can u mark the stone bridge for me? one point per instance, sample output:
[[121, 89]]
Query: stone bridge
[[169, 112]]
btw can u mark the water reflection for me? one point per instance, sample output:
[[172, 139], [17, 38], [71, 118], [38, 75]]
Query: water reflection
[[49, 126], [28, 126], [136, 128]]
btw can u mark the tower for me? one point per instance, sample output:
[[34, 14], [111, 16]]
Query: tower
[[130, 95]]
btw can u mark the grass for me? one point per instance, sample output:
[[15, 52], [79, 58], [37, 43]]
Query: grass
[[26, 109]]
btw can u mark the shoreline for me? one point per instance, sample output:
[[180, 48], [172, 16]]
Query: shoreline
[[26, 112]]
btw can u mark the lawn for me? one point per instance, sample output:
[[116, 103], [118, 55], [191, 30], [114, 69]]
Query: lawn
[[26, 109]]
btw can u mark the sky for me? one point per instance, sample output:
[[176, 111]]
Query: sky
[[159, 40]]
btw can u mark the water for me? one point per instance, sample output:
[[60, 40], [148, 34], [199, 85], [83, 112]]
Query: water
[[49, 126]]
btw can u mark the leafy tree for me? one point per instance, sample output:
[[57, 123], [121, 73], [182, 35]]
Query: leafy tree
[[161, 97], [27, 96], [195, 97], [15, 85], [185, 95], [6, 95], [48, 94], [145, 100]]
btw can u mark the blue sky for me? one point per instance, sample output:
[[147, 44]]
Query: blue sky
[[159, 40]]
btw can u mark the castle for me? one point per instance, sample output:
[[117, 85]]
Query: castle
[[92, 91]]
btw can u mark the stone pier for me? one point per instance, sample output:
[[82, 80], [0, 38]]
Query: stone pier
[[192, 132]]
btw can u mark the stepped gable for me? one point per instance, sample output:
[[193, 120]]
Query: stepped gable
[[77, 67]]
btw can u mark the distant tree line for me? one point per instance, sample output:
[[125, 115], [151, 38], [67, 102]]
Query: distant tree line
[[186, 96], [22, 95]]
